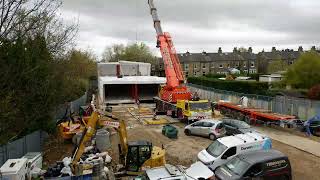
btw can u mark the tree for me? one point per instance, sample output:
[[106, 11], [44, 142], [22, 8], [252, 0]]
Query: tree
[[243, 49], [27, 86], [22, 19], [133, 52], [113, 53], [304, 73], [314, 92], [276, 66], [74, 71]]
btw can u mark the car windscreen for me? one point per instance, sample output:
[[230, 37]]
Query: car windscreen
[[199, 106], [216, 149], [237, 166]]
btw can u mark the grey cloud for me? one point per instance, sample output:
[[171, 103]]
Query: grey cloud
[[123, 18]]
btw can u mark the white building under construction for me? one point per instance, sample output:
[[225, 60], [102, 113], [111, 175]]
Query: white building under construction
[[127, 82]]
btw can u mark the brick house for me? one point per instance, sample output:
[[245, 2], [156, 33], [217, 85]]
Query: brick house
[[200, 64]]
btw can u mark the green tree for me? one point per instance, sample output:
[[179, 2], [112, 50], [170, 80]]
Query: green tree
[[133, 52], [74, 71], [304, 73], [276, 66], [27, 86]]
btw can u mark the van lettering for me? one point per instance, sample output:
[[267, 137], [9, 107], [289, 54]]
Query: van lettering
[[250, 147], [275, 163]]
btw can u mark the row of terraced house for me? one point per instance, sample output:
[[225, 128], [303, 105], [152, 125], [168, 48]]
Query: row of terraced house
[[200, 64]]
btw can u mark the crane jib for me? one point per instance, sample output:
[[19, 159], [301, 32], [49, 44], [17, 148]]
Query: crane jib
[[167, 58]]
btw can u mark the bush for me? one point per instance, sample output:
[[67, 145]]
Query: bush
[[215, 76], [247, 87], [314, 92]]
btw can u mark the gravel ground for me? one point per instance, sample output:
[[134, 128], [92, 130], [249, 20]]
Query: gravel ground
[[184, 150]]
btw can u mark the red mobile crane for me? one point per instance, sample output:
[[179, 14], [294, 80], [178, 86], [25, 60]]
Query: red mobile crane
[[175, 88], [175, 98]]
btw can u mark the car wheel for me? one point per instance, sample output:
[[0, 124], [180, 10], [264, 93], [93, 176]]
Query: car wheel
[[212, 137], [187, 132]]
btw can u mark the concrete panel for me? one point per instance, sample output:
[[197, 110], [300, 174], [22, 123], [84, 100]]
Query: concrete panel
[[129, 69], [107, 69]]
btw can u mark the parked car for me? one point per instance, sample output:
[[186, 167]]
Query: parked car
[[315, 128], [234, 126], [224, 149], [210, 128], [263, 164], [169, 172]]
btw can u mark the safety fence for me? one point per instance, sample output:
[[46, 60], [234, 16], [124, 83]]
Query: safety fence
[[60, 111], [34, 142], [16, 149], [301, 107]]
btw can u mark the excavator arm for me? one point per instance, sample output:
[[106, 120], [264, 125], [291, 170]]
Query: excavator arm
[[90, 131], [87, 134]]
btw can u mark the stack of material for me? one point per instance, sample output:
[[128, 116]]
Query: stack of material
[[91, 158]]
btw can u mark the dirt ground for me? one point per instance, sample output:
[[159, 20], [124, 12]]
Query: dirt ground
[[184, 149]]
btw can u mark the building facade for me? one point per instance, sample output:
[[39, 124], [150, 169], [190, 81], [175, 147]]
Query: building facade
[[200, 64]]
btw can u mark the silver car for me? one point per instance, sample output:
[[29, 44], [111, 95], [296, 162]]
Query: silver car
[[210, 128]]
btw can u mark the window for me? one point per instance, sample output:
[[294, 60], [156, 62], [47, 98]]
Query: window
[[203, 66], [203, 73], [290, 62], [186, 66], [220, 66], [216, 148], [144, 154], [228, 65], [230, 152], [220, 126], [198, 124], [237, 165], [244, 64], [195, 66], [195, 73], [255, 170], [160, 66], [212, 65], [187, 74], [208, 124], [252, 64]]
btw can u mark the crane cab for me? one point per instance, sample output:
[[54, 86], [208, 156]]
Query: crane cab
[[141, 155], [193, 110], [138, 153]]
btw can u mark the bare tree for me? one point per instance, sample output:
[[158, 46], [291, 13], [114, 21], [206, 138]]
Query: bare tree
[[29, 18]]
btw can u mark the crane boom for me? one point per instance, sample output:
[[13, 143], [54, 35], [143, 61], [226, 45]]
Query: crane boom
[[172, 65]]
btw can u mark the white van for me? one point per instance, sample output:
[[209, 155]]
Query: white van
[[223, 149]]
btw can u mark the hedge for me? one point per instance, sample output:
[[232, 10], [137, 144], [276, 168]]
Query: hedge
[[247, 87]]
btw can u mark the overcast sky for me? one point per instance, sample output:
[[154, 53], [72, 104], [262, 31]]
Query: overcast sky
[[197, 25]]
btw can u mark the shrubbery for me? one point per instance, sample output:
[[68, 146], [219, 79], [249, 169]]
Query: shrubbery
[[247, 87]]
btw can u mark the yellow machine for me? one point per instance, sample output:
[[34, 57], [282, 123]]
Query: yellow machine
[[193, 109], [135, 155]]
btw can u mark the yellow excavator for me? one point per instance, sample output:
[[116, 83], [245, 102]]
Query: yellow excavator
[[135, 156]]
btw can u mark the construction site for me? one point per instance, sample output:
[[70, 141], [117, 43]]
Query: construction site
[[138, 126]]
